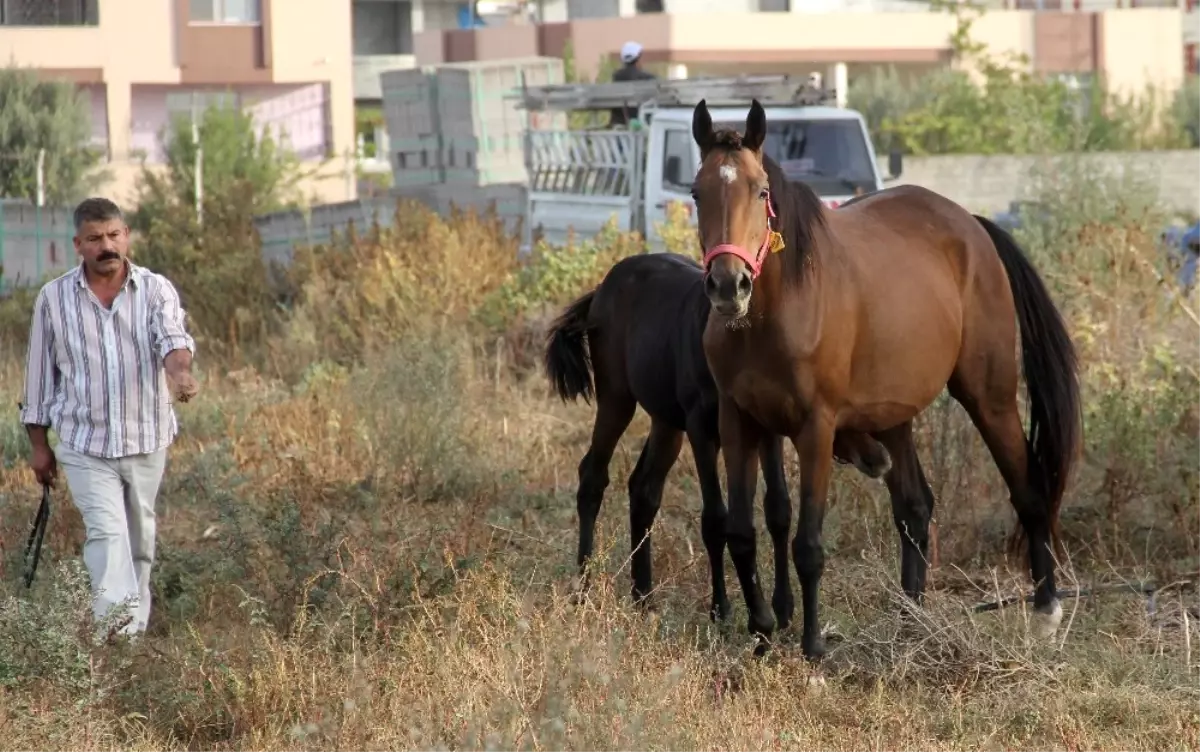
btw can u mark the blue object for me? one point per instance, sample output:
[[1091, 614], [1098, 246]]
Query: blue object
[[467, 18], [1184, 244]]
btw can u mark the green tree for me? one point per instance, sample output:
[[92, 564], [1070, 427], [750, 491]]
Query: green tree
[[50, 115], [1009, 110], [215, 259]]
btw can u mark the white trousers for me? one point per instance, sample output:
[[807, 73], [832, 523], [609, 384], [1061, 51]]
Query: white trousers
[[116, 499]]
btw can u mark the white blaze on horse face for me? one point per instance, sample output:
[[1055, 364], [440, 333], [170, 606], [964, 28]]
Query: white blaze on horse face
[[728, 173]]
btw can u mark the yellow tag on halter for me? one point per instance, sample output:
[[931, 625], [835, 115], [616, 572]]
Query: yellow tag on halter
[[776, 243]]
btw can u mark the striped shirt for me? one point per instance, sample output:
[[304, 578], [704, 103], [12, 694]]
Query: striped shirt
[[94, 374]]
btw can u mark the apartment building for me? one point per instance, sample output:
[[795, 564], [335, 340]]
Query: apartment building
[[1133, 43], [288, 62]]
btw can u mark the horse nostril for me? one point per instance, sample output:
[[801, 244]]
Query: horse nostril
[[710, 285], [744, 284]]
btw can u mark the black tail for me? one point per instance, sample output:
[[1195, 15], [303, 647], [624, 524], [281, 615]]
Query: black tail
[[567, 361], [1051, 375]]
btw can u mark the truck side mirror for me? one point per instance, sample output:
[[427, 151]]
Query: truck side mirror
[[672, 169], [895, 163]]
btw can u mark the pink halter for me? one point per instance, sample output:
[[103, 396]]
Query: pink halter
[[755, 261]]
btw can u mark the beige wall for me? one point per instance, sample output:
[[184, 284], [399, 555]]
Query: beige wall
[[123, 27], [311, 41], [1143, 47], [326, 187], [136, 43]]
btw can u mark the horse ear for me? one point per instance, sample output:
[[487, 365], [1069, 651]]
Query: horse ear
[[702, 129], [756, 127]]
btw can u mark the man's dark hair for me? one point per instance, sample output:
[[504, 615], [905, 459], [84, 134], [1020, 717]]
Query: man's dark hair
[[96, 210]]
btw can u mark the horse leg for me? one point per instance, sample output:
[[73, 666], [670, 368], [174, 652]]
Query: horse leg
[[912, 507], [613, 413], [714, 514], [741, 438], [645, 496], [994, 412], [777, 507], [814, 444]]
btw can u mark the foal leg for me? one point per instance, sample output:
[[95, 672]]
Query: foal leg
[[613, 413], [777, 506], [645, 497], [994, 413], [714, 513], [912, 507]]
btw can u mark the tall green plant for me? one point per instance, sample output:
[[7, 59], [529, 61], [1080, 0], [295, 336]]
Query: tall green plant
[[53, 116], [214, 257]]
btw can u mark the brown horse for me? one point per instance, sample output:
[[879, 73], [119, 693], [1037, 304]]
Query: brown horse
[[638, 339], [856, 319]]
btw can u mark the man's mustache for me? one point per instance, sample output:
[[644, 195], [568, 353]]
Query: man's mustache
[[108, 255]]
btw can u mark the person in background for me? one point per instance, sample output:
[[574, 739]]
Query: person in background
[[107, 349], [630, 70]]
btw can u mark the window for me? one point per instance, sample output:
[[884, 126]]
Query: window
[[225, 11], [382, 28], [829, 155], [49, 13], [678, 169]]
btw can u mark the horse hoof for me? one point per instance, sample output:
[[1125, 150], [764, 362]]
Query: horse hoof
[[814, 683], [784, 609], [1044, 623], [814, 648], [762, 625]]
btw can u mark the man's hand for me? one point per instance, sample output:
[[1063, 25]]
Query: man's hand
[[178, 365], [183, 385], [44, 465]]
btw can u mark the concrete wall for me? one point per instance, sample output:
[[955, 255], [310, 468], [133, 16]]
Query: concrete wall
[[989, 183], [23, 230], [984, 184]]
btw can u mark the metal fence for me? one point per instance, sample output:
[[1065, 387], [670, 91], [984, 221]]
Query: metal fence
[[35, 243]]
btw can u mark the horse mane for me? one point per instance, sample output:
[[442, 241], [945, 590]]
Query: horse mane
[[798, 208], [800, 215]]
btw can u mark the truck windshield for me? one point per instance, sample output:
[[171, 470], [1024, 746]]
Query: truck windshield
[[829, 155]]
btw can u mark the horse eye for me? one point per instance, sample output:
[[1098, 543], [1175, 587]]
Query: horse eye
[[762, 195], [695, 197]]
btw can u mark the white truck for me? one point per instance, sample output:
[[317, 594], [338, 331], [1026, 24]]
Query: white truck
[[577, 180], [581, 179]]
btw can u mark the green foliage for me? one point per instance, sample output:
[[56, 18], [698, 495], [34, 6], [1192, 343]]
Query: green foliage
[[583, 119], [366, 119], [1009, 110], [50, 115], [553, 276], [1185, 109], [217, 265]]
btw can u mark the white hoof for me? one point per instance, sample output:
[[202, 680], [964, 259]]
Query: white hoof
[[1045, 623], [814, 683]]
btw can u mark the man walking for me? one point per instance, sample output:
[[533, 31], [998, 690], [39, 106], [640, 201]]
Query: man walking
[[107, 348]]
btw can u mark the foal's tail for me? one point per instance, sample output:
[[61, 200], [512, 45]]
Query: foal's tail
[[567, 361], [1051, 375]]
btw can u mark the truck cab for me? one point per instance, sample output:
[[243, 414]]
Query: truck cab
[[582, 179], [828, 148]]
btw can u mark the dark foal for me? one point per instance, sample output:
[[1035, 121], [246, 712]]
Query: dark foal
[[857, 321], [636, 339]]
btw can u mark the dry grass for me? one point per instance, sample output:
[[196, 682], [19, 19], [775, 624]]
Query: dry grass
[[367, 540]]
